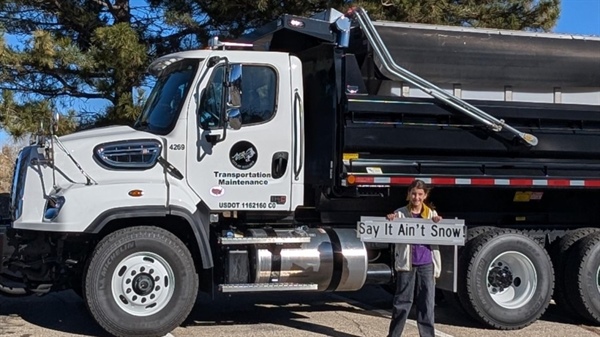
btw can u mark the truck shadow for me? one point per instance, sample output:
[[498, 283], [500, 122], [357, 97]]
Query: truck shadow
[[261, 310], [446, 312], [62, 311], [449, 314]]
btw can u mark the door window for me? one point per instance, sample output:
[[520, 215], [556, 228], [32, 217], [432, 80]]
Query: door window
[[259, 89], [259, 96]]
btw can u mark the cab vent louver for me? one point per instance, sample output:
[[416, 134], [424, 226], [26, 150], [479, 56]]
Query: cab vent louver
[[128, 155]]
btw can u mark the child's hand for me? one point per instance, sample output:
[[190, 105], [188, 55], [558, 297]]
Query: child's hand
[[392, 216], [436, 218]]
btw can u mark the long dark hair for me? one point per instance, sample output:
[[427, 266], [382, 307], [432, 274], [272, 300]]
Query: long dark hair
[[421, 185]]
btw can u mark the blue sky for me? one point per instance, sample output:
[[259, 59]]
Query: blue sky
[[577, 17]]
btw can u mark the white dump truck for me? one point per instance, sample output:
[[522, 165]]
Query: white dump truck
[[253, 161]]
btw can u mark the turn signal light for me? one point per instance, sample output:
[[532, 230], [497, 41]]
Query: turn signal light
[[136, 193], [351, 180]]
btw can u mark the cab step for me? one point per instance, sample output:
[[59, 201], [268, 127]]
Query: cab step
[[259, 287], [263, 240]]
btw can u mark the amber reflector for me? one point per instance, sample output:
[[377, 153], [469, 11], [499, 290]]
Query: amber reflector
[[136, 193]]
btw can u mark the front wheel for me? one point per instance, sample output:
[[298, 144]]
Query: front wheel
[[140, 281]]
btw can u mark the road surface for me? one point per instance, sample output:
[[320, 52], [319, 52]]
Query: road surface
[[357, 314]]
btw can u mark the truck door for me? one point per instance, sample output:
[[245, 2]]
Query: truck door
[[249, 168]]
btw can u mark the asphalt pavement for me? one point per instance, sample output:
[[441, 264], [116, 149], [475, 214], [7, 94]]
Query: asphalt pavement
[[354, 314]]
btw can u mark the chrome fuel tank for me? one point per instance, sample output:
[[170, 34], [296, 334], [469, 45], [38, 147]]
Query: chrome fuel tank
[[334, 259]]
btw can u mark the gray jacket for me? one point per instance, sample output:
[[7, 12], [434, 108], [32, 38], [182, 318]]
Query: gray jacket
[[402, 251]]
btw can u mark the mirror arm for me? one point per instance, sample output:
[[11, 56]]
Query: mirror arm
[[225, 92]]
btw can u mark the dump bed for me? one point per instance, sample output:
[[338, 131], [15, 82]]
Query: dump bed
[[450, 55], [488, 58], [517, 83], [369, 129]]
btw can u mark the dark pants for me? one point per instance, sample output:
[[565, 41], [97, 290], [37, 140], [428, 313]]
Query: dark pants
[[422, 278]]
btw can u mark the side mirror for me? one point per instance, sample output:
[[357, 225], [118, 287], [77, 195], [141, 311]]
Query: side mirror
[[234, 118], [231, 99], [55, 120], [234, 97]]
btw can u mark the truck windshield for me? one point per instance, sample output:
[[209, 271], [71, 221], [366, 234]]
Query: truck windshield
[[164, 104]]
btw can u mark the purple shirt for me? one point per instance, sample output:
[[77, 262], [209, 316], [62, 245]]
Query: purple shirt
[[421, 254]]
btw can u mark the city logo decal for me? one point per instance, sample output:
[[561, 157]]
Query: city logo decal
[[243, 155]]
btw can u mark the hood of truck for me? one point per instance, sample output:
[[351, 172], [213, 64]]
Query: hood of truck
[[85, 141], [109, 132], [80, 146], [87, 184]]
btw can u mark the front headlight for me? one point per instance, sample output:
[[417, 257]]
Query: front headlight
[[128, 155]]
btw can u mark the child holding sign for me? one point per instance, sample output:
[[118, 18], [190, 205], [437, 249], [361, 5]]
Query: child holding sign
[[415, 265]]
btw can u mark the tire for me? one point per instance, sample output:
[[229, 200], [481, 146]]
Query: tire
[[582, 274], [474, 232], [560, 252], [505, 279], [140, 281], [452, 298]]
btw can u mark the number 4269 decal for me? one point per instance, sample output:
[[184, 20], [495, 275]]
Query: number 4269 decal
[[177, 147]]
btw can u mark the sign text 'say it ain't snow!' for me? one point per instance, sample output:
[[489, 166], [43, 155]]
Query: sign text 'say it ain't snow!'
[[449, 232]]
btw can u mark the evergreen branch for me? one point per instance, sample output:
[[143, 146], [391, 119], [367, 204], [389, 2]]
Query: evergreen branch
[[55, 93]]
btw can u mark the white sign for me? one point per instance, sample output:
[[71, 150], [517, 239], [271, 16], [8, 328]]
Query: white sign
[[449, 232]]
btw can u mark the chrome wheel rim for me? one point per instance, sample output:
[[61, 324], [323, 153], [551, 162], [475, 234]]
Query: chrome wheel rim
[[511, 280], [143, 283]]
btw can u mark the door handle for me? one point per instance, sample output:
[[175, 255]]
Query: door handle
[[279, 164], [298, 135]]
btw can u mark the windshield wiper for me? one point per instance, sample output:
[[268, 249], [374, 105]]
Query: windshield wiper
[[141, 125]]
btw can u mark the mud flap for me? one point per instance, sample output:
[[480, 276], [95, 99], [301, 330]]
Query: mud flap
[[448, 279]]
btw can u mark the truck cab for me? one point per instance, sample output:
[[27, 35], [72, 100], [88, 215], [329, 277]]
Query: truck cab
[[193, 112]]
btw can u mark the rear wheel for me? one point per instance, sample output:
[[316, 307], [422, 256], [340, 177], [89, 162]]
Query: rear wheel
[[582, 283], [560, 252], [474, 232], [140, 281], [452, 298], [506, 279]]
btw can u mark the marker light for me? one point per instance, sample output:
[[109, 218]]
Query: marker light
[[136, 193], [296, 23]]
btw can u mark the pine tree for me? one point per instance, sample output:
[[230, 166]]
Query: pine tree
[[537, 15], [61, 51], [53, 53]]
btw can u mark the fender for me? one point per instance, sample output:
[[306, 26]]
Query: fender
[[200, 225], [198, 222]]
